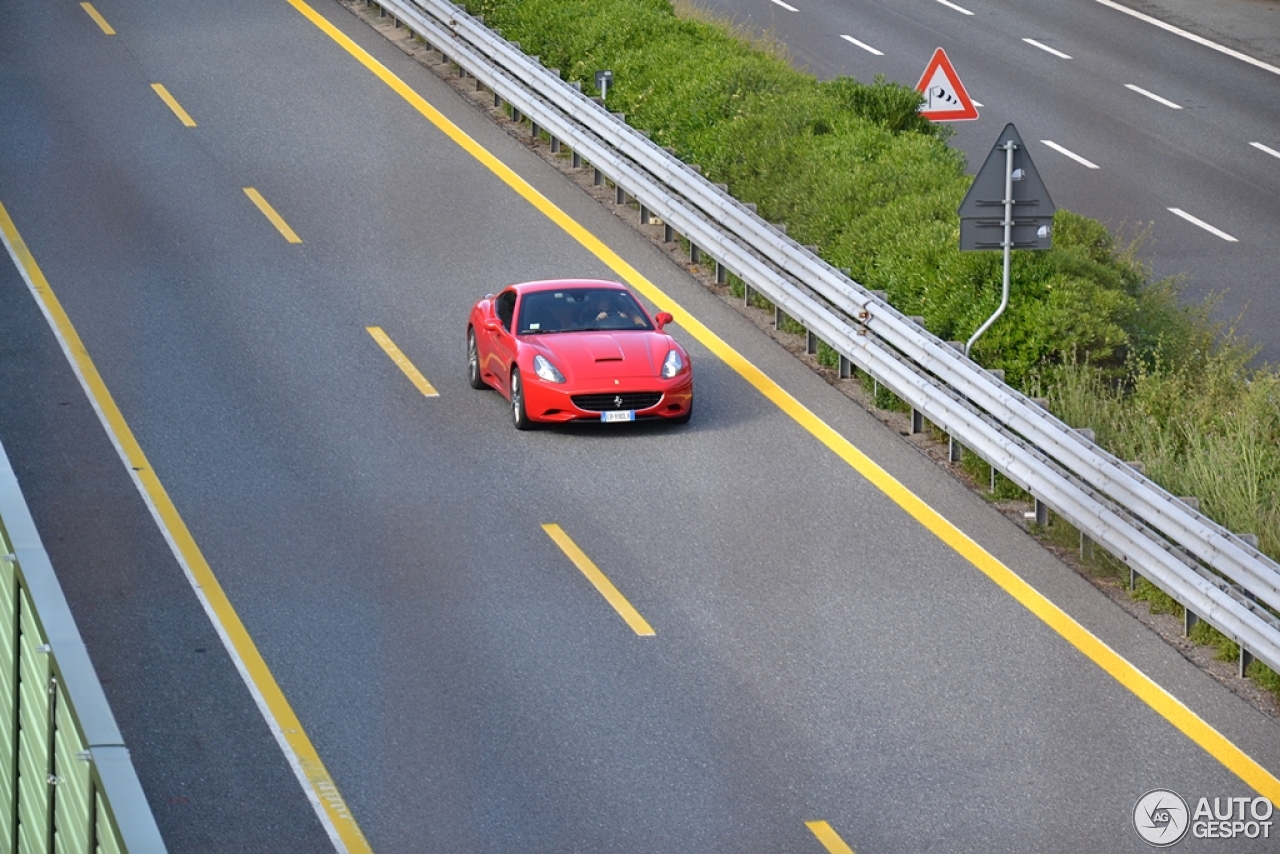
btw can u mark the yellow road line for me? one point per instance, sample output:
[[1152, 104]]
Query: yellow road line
[[828, 837], [270, 213], [98, 19], [1118, 667], [402, 361], [603, 584], [173, 104], [240, 646]]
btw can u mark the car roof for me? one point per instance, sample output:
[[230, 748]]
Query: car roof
[[556, 284]]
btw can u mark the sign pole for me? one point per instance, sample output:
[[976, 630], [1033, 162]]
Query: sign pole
[[1024, 192], [1007, 243]]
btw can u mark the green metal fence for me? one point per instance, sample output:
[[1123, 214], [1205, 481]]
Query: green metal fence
[[67, 785]]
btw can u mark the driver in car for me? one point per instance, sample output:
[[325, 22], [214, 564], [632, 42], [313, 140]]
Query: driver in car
[[606, 312]]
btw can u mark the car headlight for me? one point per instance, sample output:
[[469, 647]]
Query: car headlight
[[672, 365], [546, 370]]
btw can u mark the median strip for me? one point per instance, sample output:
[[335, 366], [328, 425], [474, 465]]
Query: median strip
[[619, 602], [173, 105], [402, 361]]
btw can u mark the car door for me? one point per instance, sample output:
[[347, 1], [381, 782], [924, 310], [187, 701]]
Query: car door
[[502, 341]]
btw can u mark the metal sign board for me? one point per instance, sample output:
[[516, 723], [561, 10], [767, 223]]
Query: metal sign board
[[983, 210], [945, 99]]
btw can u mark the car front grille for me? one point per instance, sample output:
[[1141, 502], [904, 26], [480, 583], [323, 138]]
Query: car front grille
[[616, 401]]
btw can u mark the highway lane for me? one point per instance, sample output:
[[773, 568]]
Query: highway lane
[[1192, 150], [818, 654]]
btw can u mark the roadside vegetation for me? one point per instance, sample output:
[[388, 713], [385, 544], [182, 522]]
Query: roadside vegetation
[[850, 167]]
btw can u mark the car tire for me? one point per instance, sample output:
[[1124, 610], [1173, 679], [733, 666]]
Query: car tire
[[519, 416], [474, 377]]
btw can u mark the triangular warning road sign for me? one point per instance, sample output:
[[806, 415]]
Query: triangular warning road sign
[[944, 97]]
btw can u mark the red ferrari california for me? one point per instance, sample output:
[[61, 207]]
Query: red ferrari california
[[577, 350]]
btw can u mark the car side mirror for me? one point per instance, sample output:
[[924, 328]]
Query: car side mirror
[[492, 324], [662, 319]]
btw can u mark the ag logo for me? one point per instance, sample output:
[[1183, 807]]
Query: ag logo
[[1161, 818]]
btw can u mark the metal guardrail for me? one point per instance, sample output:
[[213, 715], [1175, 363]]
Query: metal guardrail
[[1215, 574], [68, 784]]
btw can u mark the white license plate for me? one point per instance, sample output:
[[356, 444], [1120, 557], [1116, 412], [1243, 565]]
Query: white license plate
[[620, 415]]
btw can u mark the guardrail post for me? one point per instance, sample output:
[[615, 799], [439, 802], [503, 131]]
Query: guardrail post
[[597, 176], [577, 160], [1189, 619], [778, 314], [695, 254], [917, 421], [1246, 658], [534, 130], [1088, 433], [1193, 503], [998, 373], [1086, 553], [644, 215], [846, 367], [619, 195], [810, 342], [1042, 514], [955, 451], [516, 116], [497, 100], [746, 294], [722, 273], [555, 145], [668, 233]]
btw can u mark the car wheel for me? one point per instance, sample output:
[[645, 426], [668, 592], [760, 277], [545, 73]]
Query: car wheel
[[519, 416], [473, 361]]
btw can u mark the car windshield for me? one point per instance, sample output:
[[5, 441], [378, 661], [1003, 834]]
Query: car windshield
[[580, 310]]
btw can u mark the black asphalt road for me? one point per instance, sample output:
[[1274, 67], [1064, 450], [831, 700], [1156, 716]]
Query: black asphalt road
[[1197, 156], [819, 655]]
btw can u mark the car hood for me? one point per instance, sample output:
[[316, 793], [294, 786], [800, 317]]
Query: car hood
[[601, 355]]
